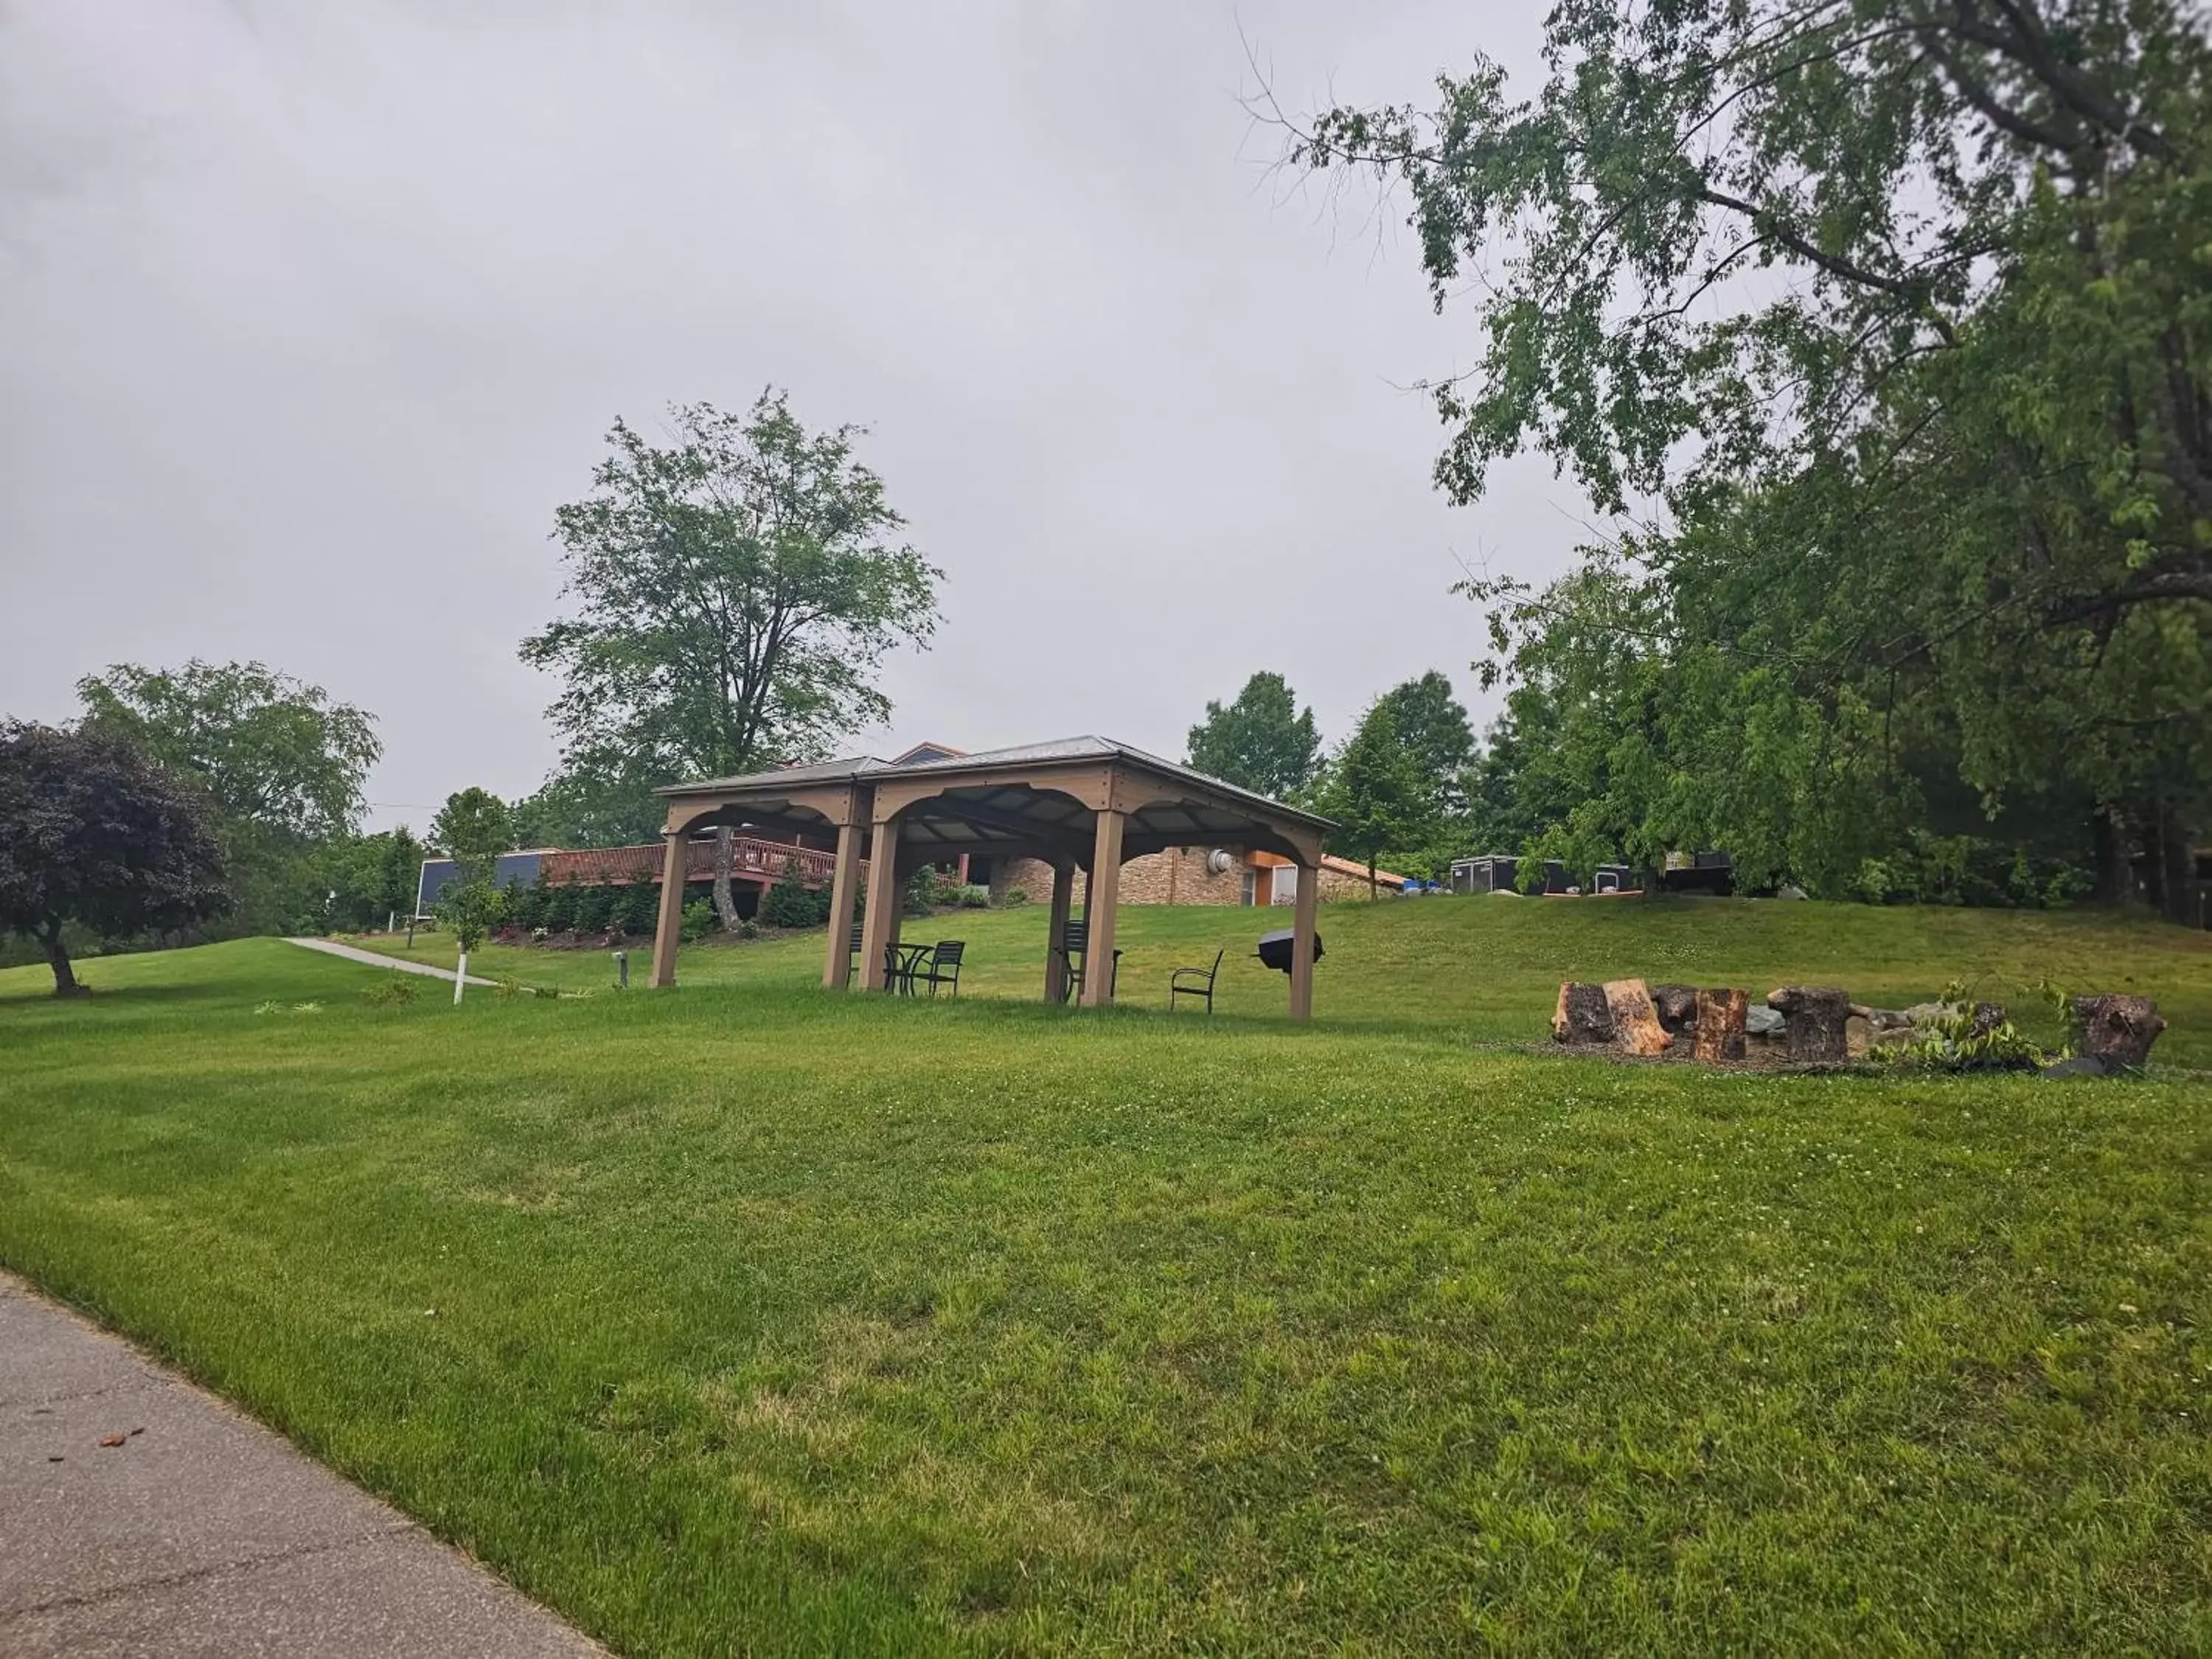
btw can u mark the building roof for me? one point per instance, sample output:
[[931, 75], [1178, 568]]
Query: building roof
[[1353, 867], [926, 750], [862, 769], [1034, 798]]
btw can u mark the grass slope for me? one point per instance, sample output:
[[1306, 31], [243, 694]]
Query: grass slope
[[773, 1321], [1490, 967]]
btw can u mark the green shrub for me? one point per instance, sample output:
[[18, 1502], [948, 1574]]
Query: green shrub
[[560, 912], [638, 911], [927, 890], [393, 991], [1015, 896], [972, 897], [698, 920], [1962, 1041], [789, 904], [594, 910]]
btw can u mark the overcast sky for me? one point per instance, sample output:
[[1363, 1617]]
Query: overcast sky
[[310, 314]]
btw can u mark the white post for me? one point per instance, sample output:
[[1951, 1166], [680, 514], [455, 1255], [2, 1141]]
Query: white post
[[460, 978]]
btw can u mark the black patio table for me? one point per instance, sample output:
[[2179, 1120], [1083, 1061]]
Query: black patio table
[[900, 962]]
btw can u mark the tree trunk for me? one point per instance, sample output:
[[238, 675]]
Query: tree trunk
[[1816, 1014], [2116, 1031], [2154, 859], [1719, 1035], [65, 983], [2180, 857], [726, 853], [1583, 1017], [1636, 1027], [2115, 880], [1373, 890]]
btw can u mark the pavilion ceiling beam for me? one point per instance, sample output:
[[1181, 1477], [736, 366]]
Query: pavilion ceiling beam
[[977, 814]]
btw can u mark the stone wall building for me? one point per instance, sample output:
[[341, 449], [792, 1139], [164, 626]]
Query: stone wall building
[[1198, 875]]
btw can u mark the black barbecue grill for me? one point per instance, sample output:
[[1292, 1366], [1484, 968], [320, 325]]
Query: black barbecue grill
[[1275, 949]]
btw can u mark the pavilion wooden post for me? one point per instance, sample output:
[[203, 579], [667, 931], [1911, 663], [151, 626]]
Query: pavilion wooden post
[[844, 887], [882, 929], [1100, 896], [1302, 941], [670, 931], [1056, 932]]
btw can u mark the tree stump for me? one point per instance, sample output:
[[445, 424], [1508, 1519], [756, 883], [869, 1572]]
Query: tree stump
[[1720, 1026], [2118, 1030], [1859, 1035], [1583, 1018], [1677, 1006], [1816, 1014], [1636, 1027]]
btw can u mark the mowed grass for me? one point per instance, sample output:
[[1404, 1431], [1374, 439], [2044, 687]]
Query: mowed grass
[[752, 1319], [1490, 966]]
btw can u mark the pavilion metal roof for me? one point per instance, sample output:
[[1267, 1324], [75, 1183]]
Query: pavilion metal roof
[[1069, 751]]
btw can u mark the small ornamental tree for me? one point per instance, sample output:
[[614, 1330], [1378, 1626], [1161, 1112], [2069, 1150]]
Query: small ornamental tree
[[95, 833], [473, 827], [471, 909]]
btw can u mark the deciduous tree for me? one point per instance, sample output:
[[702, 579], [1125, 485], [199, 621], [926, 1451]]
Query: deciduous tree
[[283, 765], [1890, 316], [473, 827], [1376, 792], [734, 592], [1263, 741], [93, 832]]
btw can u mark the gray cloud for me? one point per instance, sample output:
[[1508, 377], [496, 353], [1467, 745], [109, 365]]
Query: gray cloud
[[310, 315]]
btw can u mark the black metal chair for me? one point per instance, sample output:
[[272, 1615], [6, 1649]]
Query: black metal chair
[[1077, 946], [932, 969], [1194, 982]]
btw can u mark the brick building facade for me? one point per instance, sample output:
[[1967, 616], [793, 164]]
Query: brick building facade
[[1188, 875]]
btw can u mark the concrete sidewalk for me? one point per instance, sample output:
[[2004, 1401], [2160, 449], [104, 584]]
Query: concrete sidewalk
[[330, 947], [199, 1532]]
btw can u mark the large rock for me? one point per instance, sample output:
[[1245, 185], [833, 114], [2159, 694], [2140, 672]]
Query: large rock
[[1761, 1021], [1636, 1027], [1816, 1014], [1583, 1018], [1882, 1019], [2118, 1030], [1719, 1034], [1677, 1006]]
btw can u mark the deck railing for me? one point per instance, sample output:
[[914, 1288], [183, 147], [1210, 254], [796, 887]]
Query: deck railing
[[751, 859]]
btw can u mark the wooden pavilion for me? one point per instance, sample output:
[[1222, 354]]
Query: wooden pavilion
[[1081, 803]]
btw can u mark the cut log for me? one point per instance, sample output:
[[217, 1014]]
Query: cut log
[[1816, 1014], [2118, 1030], [1859, 1035], [1677, 1006], [1636, 1027], [1582, 1017], [1720, 1026]]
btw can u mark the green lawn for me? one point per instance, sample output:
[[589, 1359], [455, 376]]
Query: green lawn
[[770, 1320]]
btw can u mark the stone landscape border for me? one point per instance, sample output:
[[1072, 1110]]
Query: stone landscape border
[[1820, 1026]]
